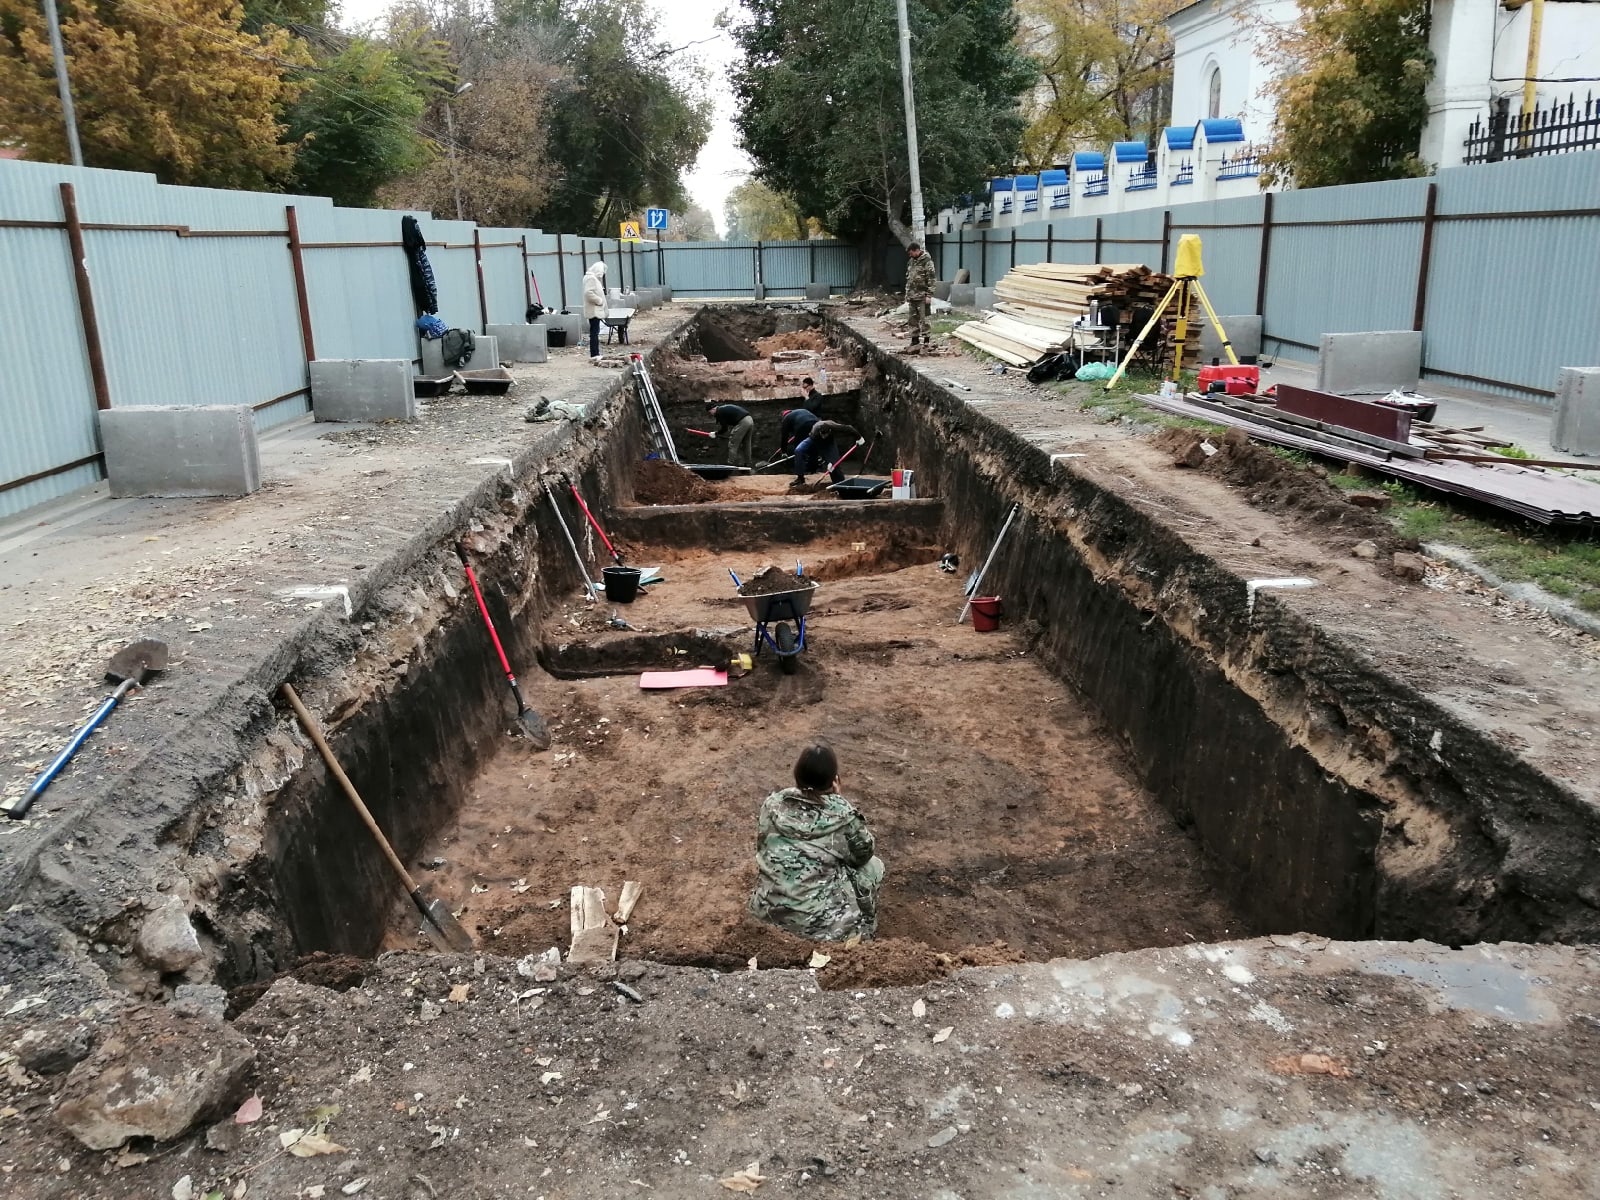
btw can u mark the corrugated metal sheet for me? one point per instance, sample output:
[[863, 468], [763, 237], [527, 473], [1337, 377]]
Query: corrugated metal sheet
[[1230, 256]]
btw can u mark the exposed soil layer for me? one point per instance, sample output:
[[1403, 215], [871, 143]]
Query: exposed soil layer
[[1010, 822], [657, 481]]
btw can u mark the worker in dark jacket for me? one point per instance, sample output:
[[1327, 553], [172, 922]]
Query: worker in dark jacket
[[821, 448], [740, 427], [812, 399], [794, 427]]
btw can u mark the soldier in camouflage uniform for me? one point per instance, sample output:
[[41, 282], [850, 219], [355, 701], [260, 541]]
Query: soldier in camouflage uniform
[[816, 875], [919, 287]]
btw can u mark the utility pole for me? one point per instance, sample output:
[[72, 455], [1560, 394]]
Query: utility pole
[[917, 218], [450, 132], [63, 84], [1530, 88]]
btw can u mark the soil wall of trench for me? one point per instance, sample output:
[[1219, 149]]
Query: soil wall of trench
[[1334, 798]]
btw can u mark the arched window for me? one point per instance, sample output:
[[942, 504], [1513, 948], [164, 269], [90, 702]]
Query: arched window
[[1214, 93]]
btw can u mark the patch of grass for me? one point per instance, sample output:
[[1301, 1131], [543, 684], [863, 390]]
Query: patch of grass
[[1120, 403], [946, 322], [1516, 551], [1512, 450]]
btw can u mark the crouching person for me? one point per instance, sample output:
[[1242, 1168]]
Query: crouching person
[[816, 875]]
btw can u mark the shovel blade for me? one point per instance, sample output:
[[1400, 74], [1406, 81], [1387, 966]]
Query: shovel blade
[[136, 660], [534, 729], [442, 922]]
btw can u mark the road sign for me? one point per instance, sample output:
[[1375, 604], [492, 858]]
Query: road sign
[[630, 231], [656, 218]]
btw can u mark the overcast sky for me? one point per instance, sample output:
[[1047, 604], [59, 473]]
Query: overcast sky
[[721, 165]]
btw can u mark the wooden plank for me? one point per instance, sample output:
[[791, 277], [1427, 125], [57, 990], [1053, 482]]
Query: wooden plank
[[631, 891], [594, 936]]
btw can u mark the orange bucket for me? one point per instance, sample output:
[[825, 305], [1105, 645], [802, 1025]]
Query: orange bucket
[[986, 613]]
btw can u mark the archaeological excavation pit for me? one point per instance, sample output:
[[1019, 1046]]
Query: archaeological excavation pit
[[1145, 755]]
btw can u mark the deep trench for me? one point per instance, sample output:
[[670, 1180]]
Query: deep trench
[[1311, 786]]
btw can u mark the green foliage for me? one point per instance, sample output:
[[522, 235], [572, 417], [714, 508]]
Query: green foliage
[[755, 212], [1350, 102], [821, 110], [357, 125]]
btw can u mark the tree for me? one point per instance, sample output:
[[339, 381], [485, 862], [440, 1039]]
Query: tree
[[356, 125], [696, 225], [1350, 82], [820, 107], [1105, 74], [175, 87], [757, 213], [628, 117]]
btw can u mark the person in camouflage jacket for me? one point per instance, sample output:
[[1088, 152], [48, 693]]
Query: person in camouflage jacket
[[816, 874], [919, 288]]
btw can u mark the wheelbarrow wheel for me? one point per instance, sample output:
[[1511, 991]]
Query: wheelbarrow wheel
[[788, 656]]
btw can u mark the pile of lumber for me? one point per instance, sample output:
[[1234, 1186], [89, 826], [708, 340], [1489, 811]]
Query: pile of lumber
[[1036, 307]]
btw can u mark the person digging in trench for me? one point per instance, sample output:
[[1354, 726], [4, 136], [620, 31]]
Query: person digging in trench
[[740, 427], [819, 449], [816, 874]]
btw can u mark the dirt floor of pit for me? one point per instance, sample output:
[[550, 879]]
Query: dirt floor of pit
[[657, 482], [1009, 821]]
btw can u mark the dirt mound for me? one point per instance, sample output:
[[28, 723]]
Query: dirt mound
[[771, 581], [800, 339], [1280, 485], [337, 972], [658, 481]]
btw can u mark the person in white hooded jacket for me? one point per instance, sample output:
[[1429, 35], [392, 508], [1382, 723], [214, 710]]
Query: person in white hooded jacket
[[594, 305]]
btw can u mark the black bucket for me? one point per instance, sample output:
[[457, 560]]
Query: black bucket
[[556, 337], [622, 584]]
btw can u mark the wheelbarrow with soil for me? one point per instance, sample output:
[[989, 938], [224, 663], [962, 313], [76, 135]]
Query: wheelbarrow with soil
[[778, 603]]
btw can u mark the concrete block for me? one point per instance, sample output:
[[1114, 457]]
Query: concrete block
[[941, 289], [761, 291], [817, 291], [962, 295], [982, 297], [577, 328], [1354, 364], [364, 389], [519, 343], [1575, 429], [1243, 331], [485, 354], [181, 450]]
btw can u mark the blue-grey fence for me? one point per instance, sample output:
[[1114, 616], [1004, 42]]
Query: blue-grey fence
[[1494, 264], [196, 297]]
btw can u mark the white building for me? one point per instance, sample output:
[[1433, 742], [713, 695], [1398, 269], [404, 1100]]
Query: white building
[[1217, 69]]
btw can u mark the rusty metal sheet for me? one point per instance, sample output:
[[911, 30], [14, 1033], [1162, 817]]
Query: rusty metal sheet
[[1363, 415]]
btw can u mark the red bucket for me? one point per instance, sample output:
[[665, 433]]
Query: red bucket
[[986, 613]]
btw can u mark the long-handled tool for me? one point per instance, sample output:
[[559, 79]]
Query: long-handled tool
[[977, 580], [436, 912], [589, 584], [705, 433], [128, 669], [531, 722], [576, 495], [865, 458]]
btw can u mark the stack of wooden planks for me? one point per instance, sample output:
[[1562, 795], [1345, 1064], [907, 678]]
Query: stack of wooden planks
[[1037, 306]]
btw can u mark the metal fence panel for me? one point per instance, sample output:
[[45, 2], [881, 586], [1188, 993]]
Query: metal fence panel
[[360, 292], [1231, 256]]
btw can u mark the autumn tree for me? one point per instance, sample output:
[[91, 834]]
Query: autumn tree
[[755, 213], [174, 87], [1105, 69], [820, 108], [1350, 82]]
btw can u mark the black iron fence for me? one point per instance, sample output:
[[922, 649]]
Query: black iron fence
[[1554, 129]]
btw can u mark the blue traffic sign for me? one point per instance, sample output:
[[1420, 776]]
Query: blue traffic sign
[[655, 218]]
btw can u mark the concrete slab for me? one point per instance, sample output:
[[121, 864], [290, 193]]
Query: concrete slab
[[1575, 428], [1369, 363], [485, 354], [941, 289], [520, 343], [1244, 331], [817, 291], [981, 297], [963, 295], [181, 450], [363, 389]]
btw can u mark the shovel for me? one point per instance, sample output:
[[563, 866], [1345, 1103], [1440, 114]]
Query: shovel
[[441, 923], [128, 669], [532, 723]]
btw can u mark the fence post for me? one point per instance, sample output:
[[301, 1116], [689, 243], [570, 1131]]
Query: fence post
[[302, 296], [1166, 237], [1013, 247], [1049, 242], [91, 324], [1264, 258], [561, 270], [483, 299], [961, 249], [811, 254], [661, 261], [1097, 228], [1425, 259], [527, 277], [760, 290]]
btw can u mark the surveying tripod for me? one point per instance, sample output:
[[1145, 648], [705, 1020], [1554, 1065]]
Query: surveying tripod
[[1185, 287]]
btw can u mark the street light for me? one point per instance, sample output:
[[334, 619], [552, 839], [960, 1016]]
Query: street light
[[450, 132]]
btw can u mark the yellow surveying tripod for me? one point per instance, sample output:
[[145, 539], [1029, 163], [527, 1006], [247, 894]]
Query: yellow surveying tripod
[[1185, 285]]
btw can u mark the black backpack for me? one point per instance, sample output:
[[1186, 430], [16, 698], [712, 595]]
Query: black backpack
[[457, 346]]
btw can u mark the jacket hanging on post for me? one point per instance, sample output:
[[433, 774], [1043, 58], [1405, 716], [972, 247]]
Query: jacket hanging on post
[[424, 291]]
